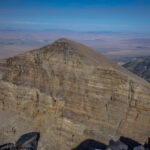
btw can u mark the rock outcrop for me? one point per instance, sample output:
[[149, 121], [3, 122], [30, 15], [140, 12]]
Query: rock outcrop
[[28, 141], [69, 93], [122, 143]]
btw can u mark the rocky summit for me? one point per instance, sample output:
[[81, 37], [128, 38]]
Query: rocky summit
[[69, 93]]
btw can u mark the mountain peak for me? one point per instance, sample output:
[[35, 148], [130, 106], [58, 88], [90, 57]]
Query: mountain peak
[[65, 42], [71, 94], [63, 39], [70, 52]]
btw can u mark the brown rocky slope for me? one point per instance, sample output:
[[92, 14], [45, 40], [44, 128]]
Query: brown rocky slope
[[70, 93]]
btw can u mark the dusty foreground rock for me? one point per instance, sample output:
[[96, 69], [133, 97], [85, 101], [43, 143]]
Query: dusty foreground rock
[[70, 93]]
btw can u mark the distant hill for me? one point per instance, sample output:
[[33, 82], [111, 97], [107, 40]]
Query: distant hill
[[140, 66]]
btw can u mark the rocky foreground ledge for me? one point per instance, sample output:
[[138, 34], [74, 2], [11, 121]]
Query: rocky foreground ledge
[[30, 141]]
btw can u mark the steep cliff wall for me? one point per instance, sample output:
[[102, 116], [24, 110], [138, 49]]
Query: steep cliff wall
[[70, 93]]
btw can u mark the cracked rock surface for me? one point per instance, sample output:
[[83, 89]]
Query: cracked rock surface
[[69, 93]]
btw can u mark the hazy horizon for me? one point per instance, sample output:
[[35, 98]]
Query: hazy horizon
[[117, 28]]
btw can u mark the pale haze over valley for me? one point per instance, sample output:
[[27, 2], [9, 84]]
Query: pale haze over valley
[[115, 28], [109, 43]]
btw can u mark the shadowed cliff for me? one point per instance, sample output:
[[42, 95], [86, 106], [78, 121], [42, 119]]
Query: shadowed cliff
[[140, 66]]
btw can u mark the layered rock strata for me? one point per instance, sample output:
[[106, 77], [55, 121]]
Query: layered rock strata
[[70, 93]]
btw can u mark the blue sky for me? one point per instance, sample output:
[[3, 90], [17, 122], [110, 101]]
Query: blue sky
[[77, 15]]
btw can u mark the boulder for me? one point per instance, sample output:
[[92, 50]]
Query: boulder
[[116, 145], [28, 141]]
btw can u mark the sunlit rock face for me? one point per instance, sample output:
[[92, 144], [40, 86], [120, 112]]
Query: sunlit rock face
[[70, 93]]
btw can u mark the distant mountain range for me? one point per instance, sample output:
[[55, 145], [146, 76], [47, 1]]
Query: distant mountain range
[[140, 66]]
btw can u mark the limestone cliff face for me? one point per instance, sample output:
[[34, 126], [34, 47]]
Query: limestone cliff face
[[70, 93]]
